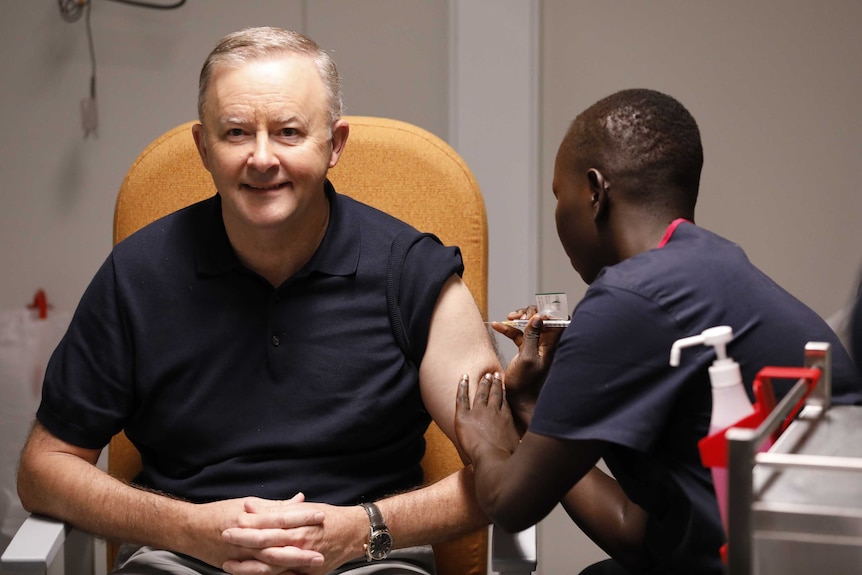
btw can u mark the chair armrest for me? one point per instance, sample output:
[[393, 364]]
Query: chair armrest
[[35, 546], [513, 553]]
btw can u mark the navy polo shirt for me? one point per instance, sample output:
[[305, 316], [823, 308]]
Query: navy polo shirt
[[231, 387]]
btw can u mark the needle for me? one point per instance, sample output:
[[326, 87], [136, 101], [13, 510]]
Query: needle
[[522, 323]]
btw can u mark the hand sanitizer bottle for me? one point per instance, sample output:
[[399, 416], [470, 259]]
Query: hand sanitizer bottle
[[730, 402]]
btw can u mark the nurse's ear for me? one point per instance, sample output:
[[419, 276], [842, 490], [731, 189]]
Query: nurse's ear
[[599, 193]]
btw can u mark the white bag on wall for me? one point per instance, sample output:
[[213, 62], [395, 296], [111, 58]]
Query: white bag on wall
[[26, 344]]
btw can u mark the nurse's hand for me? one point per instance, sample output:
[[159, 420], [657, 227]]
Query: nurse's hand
[[486, 427], [527, 371]]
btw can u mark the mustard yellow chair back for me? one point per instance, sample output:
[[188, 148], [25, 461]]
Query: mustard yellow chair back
[[394, 166]]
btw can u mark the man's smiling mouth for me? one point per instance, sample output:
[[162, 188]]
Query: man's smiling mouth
[[264, 188]]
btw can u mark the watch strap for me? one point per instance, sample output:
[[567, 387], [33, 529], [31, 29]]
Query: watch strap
[[379, 539], [374, 515]]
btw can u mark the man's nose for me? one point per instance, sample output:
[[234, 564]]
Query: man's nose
[[263, 157]]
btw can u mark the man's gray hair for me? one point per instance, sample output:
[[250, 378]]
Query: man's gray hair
[[257, 43]]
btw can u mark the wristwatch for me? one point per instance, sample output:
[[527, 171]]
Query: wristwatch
[[380, 540]]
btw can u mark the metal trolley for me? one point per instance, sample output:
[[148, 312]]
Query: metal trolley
[[797, 507]]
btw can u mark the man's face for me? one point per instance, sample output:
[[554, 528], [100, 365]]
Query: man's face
[[266, 140], [574, 215]]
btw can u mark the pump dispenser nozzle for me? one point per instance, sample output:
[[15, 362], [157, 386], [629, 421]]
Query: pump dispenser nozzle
[[724, 373], [718, 337]]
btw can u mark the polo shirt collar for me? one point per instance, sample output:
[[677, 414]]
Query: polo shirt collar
[[337, 254]]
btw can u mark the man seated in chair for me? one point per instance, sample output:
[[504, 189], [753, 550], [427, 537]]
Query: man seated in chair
[[626, 180], [245, 346]]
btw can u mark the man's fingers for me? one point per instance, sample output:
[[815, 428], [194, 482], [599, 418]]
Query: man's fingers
[[253, 567], [286, 518], [275, 561], [250, 538], [290, 557], [258, 505]]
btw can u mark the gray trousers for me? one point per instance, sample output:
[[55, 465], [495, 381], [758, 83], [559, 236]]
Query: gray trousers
[[134, 560]]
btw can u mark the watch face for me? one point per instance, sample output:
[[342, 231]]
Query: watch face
[[380, 545]]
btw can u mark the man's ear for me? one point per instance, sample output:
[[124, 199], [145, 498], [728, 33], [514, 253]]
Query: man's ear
[[599, 191], [200, 144], [340, 131]]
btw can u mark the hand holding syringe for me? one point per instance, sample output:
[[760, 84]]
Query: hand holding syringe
[[552, 306], [522, 323]]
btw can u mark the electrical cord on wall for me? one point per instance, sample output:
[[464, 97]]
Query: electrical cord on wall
[[71, 11], [89, 111], [153, 5]]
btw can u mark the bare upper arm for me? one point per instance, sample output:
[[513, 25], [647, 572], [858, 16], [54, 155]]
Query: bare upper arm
[[458, 342], [44, 443]]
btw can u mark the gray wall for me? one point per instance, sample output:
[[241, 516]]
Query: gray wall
[[776, 89], [774, 85]]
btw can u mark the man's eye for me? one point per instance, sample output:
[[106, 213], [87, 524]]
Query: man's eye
[[234, 133], [289, 132]]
